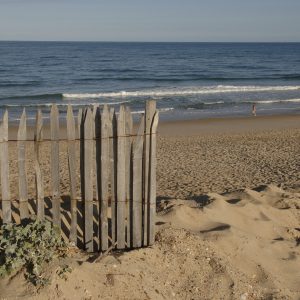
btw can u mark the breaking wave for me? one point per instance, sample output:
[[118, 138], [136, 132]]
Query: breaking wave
[[181, 92]]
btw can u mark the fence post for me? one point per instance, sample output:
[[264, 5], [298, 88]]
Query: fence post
[[38, 173], [72, 172], [80, 126], [137, 186], [5, 188], [88, 180], [96, 148], [21, 145], [104, 178], [81, 203], [113, 151], [149, 113], [121, 184], [152, 180], [54, 129], [128, 172]]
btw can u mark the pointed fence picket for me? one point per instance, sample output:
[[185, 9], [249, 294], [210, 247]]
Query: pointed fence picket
[[137, 186], [38, 136], [23, 197], [5, 185], [88, 180], [71, 136], [128, 172], [104, 185], [150, 111], [54, 131], [113, 173], [115, 191]]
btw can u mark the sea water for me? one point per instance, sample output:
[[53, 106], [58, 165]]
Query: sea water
[[188, 80]]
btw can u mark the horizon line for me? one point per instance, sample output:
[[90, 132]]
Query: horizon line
[[187, 42]]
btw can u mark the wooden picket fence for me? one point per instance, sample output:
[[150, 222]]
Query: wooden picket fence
[[118, 211]]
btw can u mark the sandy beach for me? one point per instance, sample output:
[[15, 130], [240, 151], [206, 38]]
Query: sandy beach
[[228, 219], [149, 150], [220, 155]]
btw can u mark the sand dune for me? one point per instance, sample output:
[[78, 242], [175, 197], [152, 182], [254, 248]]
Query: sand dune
[[238, 245], [257, 230]]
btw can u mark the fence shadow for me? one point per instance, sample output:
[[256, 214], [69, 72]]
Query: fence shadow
[[201, 200]]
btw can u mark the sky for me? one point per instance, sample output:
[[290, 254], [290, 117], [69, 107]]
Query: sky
[[152, 20]]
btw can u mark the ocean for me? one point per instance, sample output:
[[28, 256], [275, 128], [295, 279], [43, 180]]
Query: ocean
[[188, 80]]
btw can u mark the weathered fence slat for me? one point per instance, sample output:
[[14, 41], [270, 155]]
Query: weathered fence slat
[[152, 180], [54, 130], [97, 147], [5, 188], [121, 183], [21, 144], [38, 173], [88, 180], [104, 178], [97, 170], [128, 178], [81, 203], [113, 171], [137, 184], [149, 113], [80, 125], [71, 136]]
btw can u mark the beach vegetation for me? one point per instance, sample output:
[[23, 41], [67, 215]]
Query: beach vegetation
[[30, 248]]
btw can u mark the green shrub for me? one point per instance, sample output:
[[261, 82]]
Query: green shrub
[[31, 247]]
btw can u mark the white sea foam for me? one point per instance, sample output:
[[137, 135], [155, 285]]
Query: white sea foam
[[166, 109], [212, 103], [291, 100], [162, 110], [183, 91], [267, 101], [136, 112], [277, 101]]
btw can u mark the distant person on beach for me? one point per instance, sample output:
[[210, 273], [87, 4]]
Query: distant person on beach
[[254, 109]]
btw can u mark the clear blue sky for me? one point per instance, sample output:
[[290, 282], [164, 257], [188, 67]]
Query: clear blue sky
[[151, 20]]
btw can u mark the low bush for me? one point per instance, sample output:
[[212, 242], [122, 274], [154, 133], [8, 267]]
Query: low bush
[[29, 247]]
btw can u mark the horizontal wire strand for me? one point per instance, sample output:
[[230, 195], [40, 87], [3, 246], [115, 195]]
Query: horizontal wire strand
[[79, 139]]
